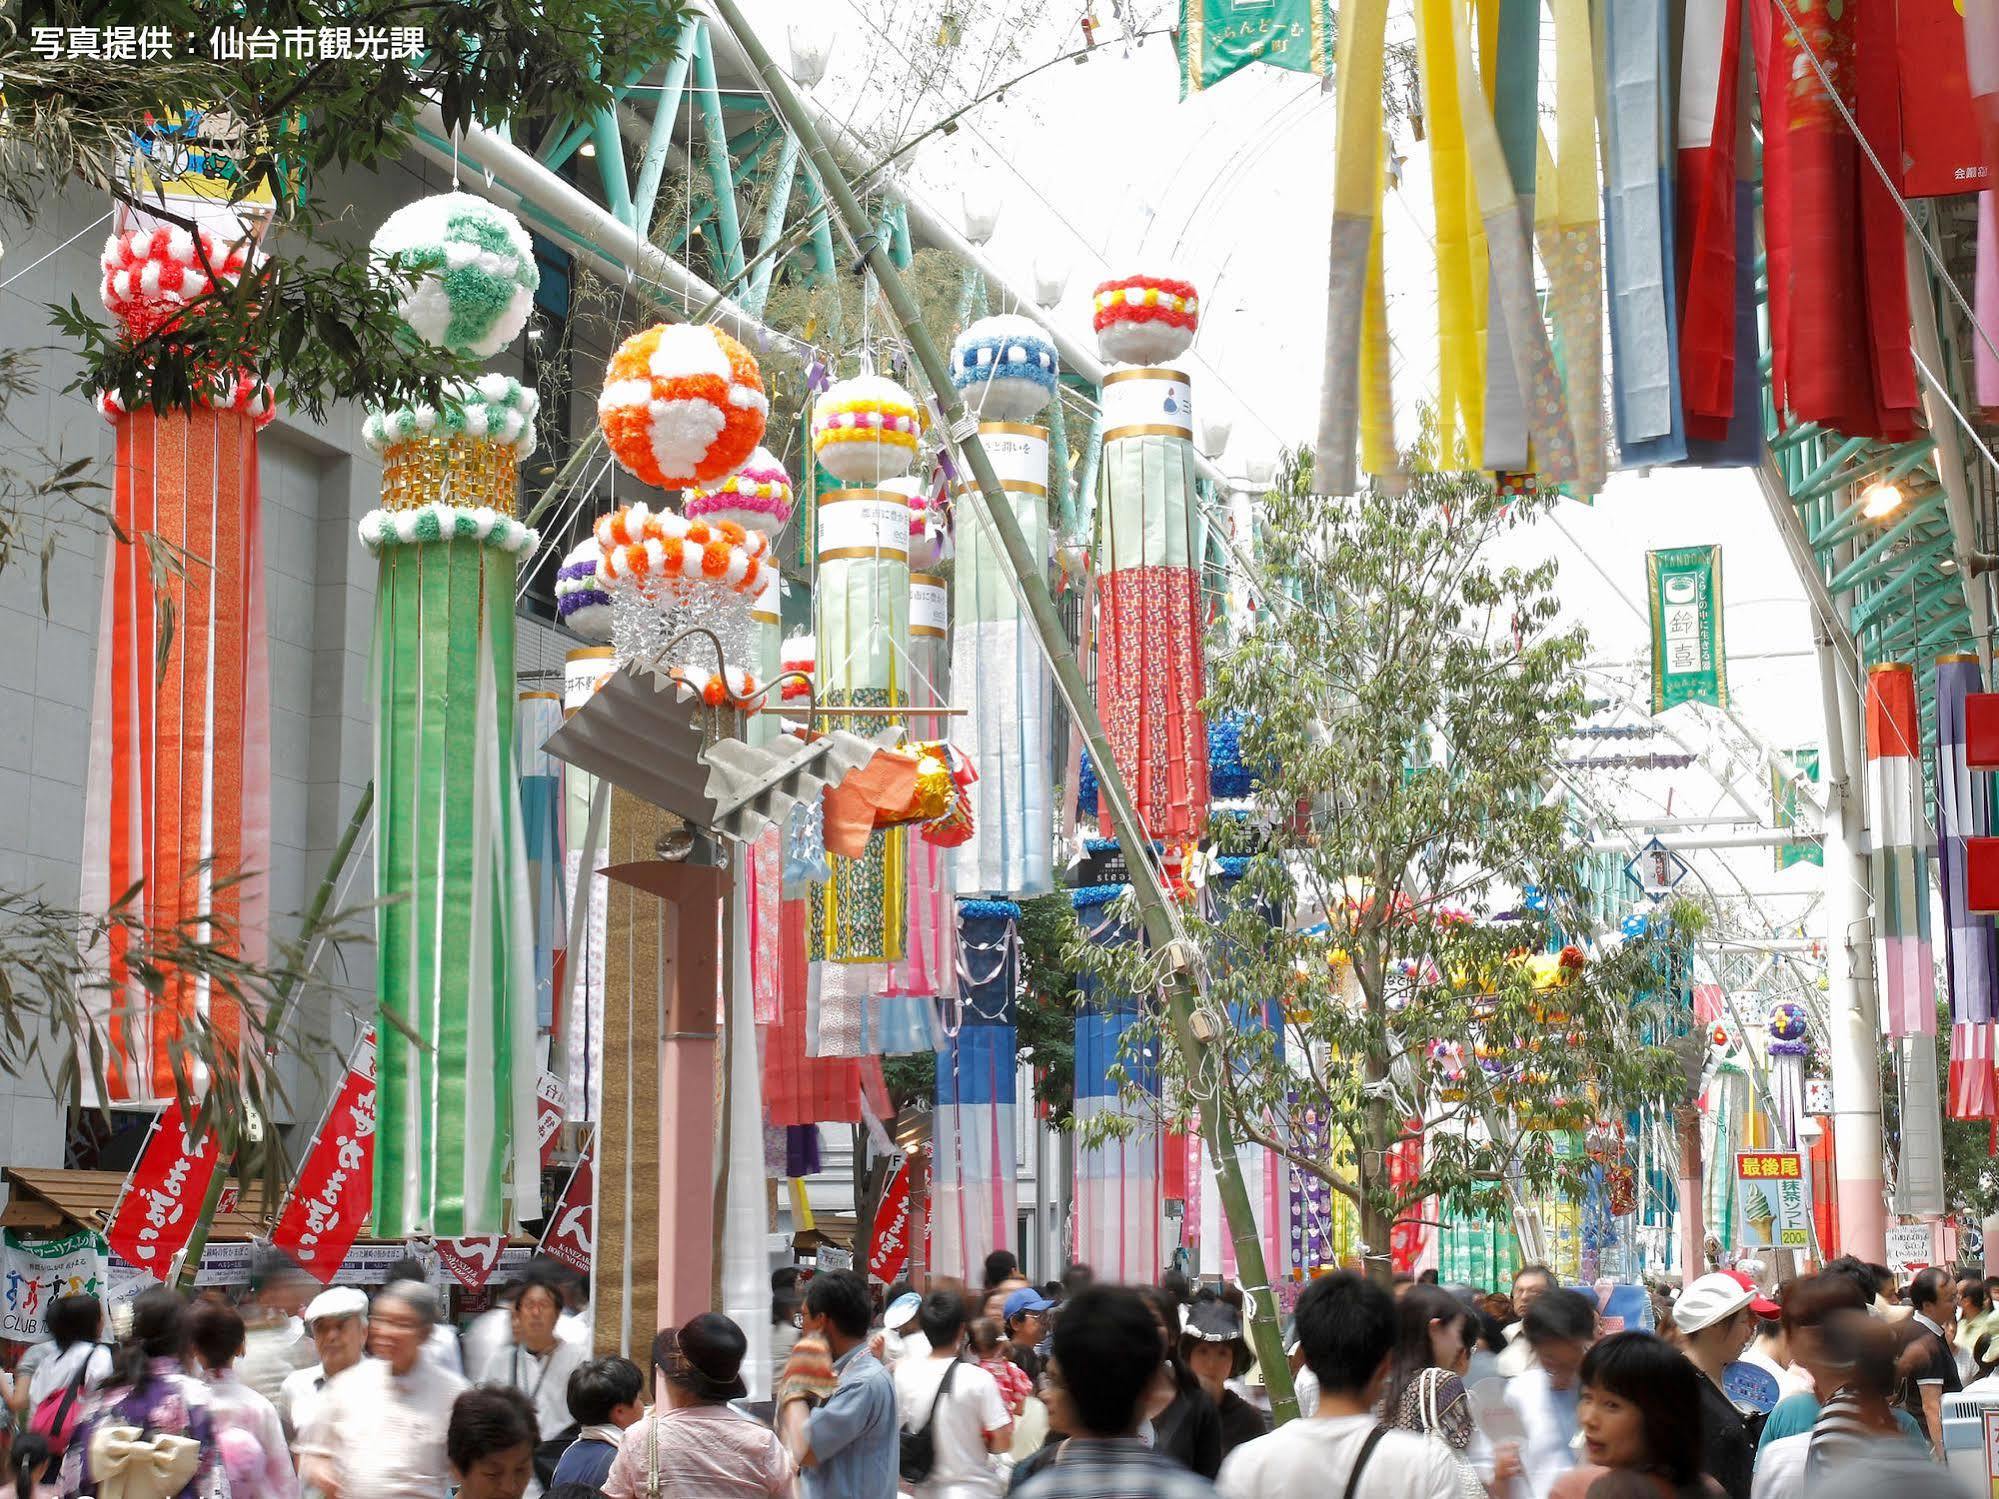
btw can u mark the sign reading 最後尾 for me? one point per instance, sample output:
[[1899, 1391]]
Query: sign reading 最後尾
[[1909, 1248], [1689, 664], [34, 1276], [1772, 1207], [1218, 37]]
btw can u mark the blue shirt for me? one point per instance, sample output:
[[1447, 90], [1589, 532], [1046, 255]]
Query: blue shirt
[[586, 1460], [853, 1437]]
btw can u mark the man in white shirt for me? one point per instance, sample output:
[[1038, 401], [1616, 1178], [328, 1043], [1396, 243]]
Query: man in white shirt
[[1529, 1282], [378, 1430], [1347, 1328], [537, 1361], [968, 1420], [275, 1344], [337, 1318], [1560, 1325]]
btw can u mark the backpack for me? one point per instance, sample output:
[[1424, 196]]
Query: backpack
[[55, 1418], [919, 1447]]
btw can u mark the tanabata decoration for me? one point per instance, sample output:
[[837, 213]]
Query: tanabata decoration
[[580, 600], [177, 783], [1971, 948], [456, 1148], [682, 404], [865, 430], [796, 655], [973, 1131], [1004, 367], [1140, 319], [1117, 1181], [756, 496], [928, 969], [1790, 1042], [476, 274], [860, 915], [667, 575], [580, 1057], [766, 855], [1900, 846], [1150, 668], [538, 715], [1002, 677]]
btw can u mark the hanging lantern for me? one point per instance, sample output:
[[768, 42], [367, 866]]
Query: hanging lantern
[[1004, 367], [580, 600], [682, 404], [478, 272], [1143, 319], [756, 496], [864, 430]]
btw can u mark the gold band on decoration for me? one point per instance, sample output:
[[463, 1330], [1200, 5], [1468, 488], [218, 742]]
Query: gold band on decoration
[[1145, 372], [1148, 429], [463, 471], [1010, 486]]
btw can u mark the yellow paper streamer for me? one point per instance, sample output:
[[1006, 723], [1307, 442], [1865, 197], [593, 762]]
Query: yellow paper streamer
[[1461, 269]]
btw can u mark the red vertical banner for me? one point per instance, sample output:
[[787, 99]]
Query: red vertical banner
[[156, 1212], [334, 1191], [1941, 150], [1823, 1167], [888, 1244], [1405, 1164], [571, 1234]]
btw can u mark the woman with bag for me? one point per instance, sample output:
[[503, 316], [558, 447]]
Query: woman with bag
[[62, 1383], [693, 1444], [148, 1433]]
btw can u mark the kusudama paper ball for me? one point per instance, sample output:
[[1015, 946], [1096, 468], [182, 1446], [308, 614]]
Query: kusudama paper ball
[[756, 496], [479, 275], [1144, 319], [864, 429], [683, 404], [1004, 367]]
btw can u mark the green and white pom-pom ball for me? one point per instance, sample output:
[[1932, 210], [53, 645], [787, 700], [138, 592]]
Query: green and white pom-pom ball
[[479, 272], [496, 408]]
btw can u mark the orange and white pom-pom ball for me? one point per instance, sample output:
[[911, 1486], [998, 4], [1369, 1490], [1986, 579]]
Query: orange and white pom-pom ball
[[756, 496], [648, 550], [151, 275], [1144, 319], [864, 429], [682, 404], [795, 656]]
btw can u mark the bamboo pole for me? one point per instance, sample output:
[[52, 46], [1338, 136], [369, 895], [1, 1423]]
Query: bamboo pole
[[1030, 575]]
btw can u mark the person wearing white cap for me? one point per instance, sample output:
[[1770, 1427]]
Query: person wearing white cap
[[1714, 1318], [901, 1337], [337, 1319]]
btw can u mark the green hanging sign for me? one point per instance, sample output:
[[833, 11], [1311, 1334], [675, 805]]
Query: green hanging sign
[[1784, 795], [1217, 37], [1689, 664]]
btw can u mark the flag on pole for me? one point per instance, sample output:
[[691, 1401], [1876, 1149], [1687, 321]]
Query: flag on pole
[[1218, 37]]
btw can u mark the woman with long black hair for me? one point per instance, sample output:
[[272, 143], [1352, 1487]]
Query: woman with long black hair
[[1639, 1413], [1186, 1426], [149, 1392], [1434, 1333]]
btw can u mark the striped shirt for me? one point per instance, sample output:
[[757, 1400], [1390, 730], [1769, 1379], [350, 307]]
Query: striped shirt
[[1839, 1434], [1118, 1469]]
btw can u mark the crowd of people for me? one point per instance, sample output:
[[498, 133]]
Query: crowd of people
[[1076, 1388]]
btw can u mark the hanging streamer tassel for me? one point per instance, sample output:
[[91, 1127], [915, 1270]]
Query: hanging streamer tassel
[[1461, 270], [1900, 847], [1150, 670], [1512, 265], [1511, 70], [1710, 63], [1117, 1182], [972, 1206], [767, 853], [1971, 948], [998, 669], [1353, 256], [1639, 232], [582, 1024], [538, 715], [1985, 294], [1789, 1032], [456, 1150]]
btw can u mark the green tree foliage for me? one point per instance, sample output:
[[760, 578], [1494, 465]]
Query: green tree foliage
[[1402, 711]]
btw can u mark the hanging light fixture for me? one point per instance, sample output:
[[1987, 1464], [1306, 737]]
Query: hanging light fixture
[[1051, 279], [982, 211], [1260, 471], [1215, 432], [1881, 499], [810, 46]]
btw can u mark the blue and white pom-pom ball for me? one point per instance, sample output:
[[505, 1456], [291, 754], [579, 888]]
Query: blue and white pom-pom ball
[[479, 275], [1004, 366]]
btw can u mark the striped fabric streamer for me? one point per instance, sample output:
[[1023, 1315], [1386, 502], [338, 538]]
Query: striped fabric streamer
[[455, 1146], [1900, 846], [860, 915], [1974, 1053], [974, 1129], [177, 789], [1511, 67], [1150, 667], [927, 972], [1117, 1206], [582, 1027], [998, 672], [538, 715], [800, 1088], [1971, 947], [767, 854], [1710, 67]]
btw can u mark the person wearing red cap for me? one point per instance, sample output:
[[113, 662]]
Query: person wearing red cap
[[1714, 1320]]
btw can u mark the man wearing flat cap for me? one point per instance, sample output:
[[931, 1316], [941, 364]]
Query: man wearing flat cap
[[337, 1321]]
